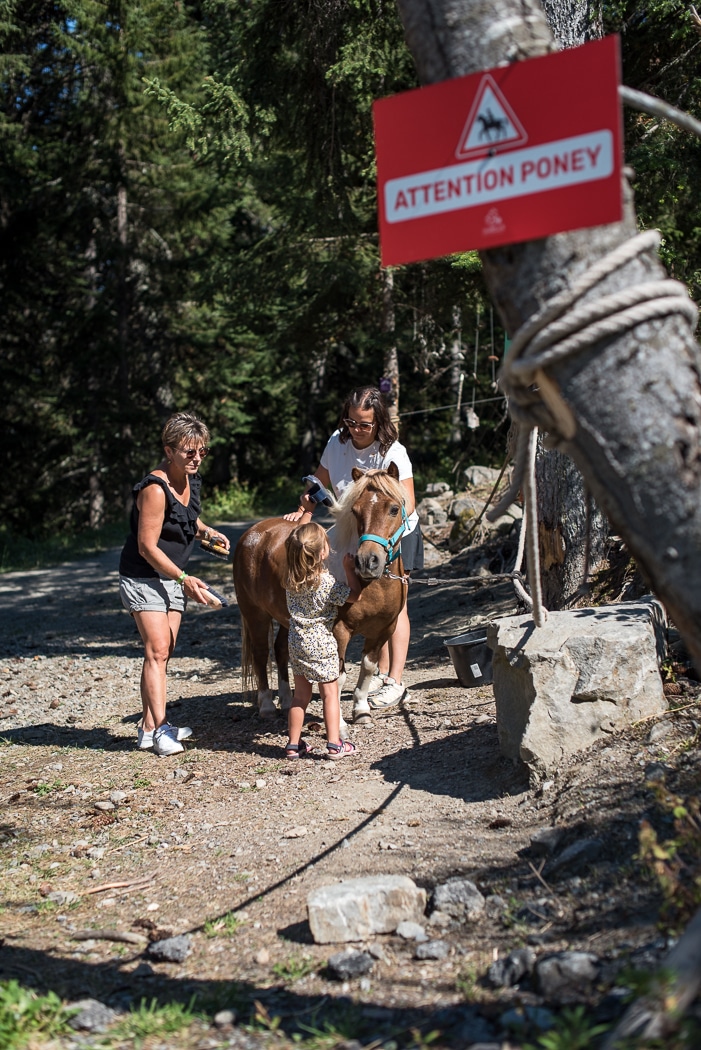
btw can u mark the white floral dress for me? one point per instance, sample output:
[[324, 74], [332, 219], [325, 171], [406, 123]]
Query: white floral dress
[[312, 646]]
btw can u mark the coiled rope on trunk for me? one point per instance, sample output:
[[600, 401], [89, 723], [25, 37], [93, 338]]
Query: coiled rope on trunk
[[559, 331]]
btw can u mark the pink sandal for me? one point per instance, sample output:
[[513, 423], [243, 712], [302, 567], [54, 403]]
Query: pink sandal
[[340, 750], [298, 750]]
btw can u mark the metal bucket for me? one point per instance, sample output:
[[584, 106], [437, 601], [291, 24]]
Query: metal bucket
[[472, 657]]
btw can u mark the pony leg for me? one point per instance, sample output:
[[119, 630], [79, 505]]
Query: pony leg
[[283, 675], [254, 657], [361, 707]]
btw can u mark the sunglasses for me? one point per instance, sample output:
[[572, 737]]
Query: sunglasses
[[190, 453], [352, 425]]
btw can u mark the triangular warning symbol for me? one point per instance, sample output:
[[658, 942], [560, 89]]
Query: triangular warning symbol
[[492, 123]]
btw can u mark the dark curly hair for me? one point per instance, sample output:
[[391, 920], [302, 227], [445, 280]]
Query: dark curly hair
[[366, 397]]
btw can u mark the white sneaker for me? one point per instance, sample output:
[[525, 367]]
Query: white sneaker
[[165, 740], [389, 695], [144, 737], [376, 683]]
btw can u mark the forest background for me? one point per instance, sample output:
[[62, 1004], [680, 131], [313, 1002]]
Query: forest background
[[188, 220]]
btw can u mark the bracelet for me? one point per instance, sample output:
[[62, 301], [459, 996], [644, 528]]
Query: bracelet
[[181, 578]]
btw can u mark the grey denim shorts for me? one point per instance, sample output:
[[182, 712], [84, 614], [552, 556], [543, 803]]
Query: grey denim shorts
[[151, 594]]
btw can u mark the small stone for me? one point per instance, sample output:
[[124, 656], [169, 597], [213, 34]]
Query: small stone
[[260, 783], [343, 966], [62, 897], [505, 973], [105, 805], [295, 833], [432, 950], [262, 957], [54, 704], [92, 1016], [172, 949], [411, 931], [118, 796], [577, 856], [546, 840], [224, 1018], [459, 898]]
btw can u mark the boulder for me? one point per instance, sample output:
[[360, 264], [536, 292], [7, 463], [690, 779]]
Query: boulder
[[431, 512], [475, 476], [358, 908], [585, 673]]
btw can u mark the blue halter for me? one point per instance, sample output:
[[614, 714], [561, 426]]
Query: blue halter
[[392, 544]]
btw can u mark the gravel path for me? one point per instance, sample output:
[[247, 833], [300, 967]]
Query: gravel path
[[230, 827]]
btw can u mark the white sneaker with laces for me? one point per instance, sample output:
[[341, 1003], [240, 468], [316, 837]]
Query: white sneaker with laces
[[376, 683], [165, 740], [389, 695], [144, 737]]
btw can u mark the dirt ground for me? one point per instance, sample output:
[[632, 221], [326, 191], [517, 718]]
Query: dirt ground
[[97, 836]]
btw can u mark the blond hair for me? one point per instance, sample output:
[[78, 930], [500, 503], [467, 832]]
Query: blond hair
[[305, 557], [184, 427]]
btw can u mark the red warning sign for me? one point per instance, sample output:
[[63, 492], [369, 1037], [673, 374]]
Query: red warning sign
[[508, 155]]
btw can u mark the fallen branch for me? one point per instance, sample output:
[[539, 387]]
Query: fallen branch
[[679, 979], [132, 842], [144, 880], [537, 873], [123, 936]]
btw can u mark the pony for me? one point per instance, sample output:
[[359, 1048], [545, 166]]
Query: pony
[[369, 520]]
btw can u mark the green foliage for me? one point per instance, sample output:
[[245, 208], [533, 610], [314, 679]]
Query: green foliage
[[19, 552], [226, 926], [573, 1031], [675, 862], [46, 787], [661, 48], [234, 503], [294, 968], [188, 220], [24, 1016], [151, 1020]]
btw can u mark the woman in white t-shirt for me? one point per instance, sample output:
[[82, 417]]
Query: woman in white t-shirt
[[367, 438]]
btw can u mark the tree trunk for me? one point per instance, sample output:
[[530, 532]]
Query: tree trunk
[[391, 360], [635, 398], [572, 531]]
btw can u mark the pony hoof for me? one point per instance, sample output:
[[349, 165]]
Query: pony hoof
[[362, 718]]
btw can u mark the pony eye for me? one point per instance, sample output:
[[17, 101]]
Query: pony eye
[[393, 510]]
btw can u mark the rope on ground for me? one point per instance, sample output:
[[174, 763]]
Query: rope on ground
[[547, 338]]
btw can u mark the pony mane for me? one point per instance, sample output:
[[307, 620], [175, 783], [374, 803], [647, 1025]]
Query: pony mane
[[346, 526]]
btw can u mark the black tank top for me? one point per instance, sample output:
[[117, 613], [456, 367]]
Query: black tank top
[[177, 534]]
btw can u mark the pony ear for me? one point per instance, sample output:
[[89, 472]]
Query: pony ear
[[393, 471], [357, 473]]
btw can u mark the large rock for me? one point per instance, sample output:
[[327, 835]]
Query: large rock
[[359, 908], [585, 673]]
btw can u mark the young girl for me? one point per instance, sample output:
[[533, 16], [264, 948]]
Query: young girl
[[313, 598]]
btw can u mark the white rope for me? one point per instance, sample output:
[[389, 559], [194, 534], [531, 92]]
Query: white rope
[[549, 337]]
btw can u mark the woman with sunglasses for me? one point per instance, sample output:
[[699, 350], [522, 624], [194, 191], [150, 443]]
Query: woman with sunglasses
[[153, 584], [367, 438]]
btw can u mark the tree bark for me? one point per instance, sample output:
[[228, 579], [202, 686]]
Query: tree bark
[[572, 531], [391, 359], [636, 397]]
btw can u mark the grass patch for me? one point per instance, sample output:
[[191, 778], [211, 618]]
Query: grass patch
[[294, 968], [25, 1016], [150, 1019], [226, 926], [18, 553]]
